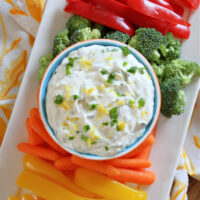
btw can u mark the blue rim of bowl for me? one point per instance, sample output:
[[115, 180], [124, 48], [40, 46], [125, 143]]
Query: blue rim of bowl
[[58, 60]]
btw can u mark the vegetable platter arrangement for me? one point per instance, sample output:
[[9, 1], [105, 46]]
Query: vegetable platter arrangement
[[156, 29]]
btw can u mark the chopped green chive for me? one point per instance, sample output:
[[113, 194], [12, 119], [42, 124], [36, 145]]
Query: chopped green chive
[[75, 96], [77, 131], [132, 70], [86, 128], [111, 77], [94, 142], [103, 72], [120, 95], [125, 51], [114, 50], [84, 138], [93, 106], [71, 137], [117, 127], [141, 70], [131, 102], [141, 103], [105, 123], [113, 122], [125, 64], [59, 99], [113, 113], [70, 64], [106, 148]]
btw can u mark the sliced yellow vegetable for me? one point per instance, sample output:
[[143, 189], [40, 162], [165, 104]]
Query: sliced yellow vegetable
[[28, 197], [49, 171], [106, 187], [45, 188], [14, 198]]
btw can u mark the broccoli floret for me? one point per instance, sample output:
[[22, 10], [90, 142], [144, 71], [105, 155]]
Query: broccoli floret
[[184, 69], [44, 63], [172, 50], [76, 22], [117, 35], [159, 70], [85, 34], [148, 42], [61, 41], [103, 29], [173, 98]]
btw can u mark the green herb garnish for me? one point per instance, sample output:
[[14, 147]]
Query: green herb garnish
[[106, 148], [77, 131], [132, 70], [125, 51], [125, 64], [93, 106], [105, 123], [141, 70], [117, 127], [114, 50], [113, 113], [84, 138], [141, 103], [120, 95], [94, 142], [75, 96], [103, 72], [71, 137], [86, 128], [59, 99], [111, 77], [113, 122], [70, 64], [130, 102]]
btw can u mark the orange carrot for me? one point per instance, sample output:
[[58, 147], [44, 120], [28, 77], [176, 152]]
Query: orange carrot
[[98, 166], [39, 151], [148, 141], [34, 111], [37, 125], [130, 163], [135, 176], [33, 137], [65, 163]]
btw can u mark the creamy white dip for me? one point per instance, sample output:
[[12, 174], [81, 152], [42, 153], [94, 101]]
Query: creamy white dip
[[103, 103]]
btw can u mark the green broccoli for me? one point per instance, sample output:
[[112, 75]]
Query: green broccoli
[[159, 70], [76, 22], [61, 41], [117, 35], [103, 29], [184, 69], [149, 43], [85, 34], [44, 63], [173, 98]]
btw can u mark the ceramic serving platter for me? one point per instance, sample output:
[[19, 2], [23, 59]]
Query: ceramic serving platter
[[170, 132]]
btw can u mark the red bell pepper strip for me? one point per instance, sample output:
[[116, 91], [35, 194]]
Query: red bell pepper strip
[[151, 9], [130, 15], [163, 3], [123, 1], [99, 16], [180, 31], [178, 9], [183, 3], [194, 3]]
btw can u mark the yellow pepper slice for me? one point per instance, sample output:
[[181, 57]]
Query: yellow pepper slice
[[28, 197], [14, 198], [106, 187], [48, 171], [45, 188]]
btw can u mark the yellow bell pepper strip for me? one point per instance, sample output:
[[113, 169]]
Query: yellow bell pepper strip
[[106, 187], [48, 171], [14, 198], [45, 188], [29, 197]]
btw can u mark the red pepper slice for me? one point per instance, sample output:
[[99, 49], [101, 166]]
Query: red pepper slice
[[194, 3], [122, 1], [151, 9], [180, 31], [183, 3], [178, 9], [130, 15], [163, 3], [99, 16]]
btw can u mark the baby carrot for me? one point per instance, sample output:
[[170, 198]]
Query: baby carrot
[[38, 151], [130, 163], [98, 166], [135, 176], [33, 137], [65, 163], [148, 141], [34, 111], [37, 125]]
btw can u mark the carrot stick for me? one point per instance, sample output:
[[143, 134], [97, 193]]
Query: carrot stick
[[39, 151], [98, 166], [135, 176], [37, 125], [34, 111], [130, 163], [33, 137], [65, 163], [148, 141]]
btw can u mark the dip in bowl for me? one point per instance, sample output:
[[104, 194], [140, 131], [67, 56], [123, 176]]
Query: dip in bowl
[[99, 99]]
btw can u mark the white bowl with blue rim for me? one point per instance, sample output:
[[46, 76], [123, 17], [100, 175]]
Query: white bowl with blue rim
[[57, 61]]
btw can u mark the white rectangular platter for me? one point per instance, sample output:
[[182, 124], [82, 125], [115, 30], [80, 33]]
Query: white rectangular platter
[[170, 132]]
